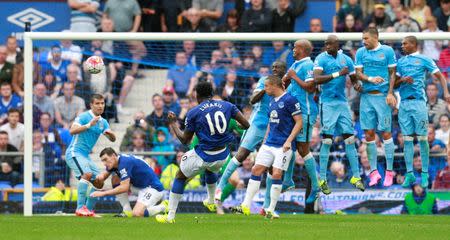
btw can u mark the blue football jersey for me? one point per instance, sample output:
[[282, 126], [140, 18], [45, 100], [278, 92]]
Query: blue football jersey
[[136, 169], [304, 69], [260, 116], [416, 66], [209, 121], [376, 62], [85, 141], [333, 90], [14, 102], [281, 120]]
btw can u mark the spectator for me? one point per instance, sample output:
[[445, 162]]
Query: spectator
[[231, 92], [82, 89], [444, 129], [7, 174], [42, 101], [378, 18], [83, 15], [127, 19], [436, 145], [138, 142], [14, 128], [210, 11], [169, 173], [158, 118], [444, 61], [5, 146], [51, 135], [121, 85], [349, 25], [204, 74], [442, 15], [231, 23], [51, 84], [432, 48], [284, 16], [229, 53], [248, 69], [392, 8], [56, 65], [184, 106], [419, 11], [161, 143], [315, 25], [352, 7], [218, 67], [278, 52], [15, 56], [436, 106], [68, 106], [69, 52], [442, 180], [406, 23], [38, 147], [257, 52], [179, 76], [139, 125], [6, 68], [339, 178], [170, 104], [153, 19], [194, 22], [8, 101], [419, 202], [193, 57], [60, 193], [257, 18]]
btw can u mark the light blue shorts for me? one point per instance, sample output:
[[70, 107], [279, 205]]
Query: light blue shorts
[[374, 112], [81, 164], [306, 132], [413, 117], [336, 118], [252, 137]]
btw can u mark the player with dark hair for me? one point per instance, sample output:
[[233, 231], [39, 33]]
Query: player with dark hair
[[86, 129], [413, 114], [209, 122]]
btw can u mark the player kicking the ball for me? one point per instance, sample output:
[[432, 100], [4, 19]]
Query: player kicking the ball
[[209, 121], [285, 123], [136, 174]]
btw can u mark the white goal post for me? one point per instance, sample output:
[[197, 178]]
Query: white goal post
[[29, 37]]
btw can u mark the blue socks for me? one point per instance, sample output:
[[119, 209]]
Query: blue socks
[[82, 193], [310, 165], [324, 157], [424, 152], [389, 149], [352, 155], [372, 155], [408, 152], [178, 186], [231, 167], [267, 194]]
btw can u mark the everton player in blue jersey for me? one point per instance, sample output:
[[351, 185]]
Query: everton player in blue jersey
[[285, 123], [302, 87], [413, 114], [330, 70], [134, 174], [209, 122], [375, 67], [86, 129], [255, 134]]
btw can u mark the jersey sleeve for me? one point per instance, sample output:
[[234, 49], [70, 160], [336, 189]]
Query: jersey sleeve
[[398, 69], [125, 173], [318, 63], [308, 72], [106, 124], [430, 65], [189, 122], [358, 58], [260, 84], [293, 107], [390, 54], [81, 120], [234, 110], [350, 65]]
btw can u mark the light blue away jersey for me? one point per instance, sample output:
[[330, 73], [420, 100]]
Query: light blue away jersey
[[376, 62], [304, 70], [333, 90], [260, 112], [85, 141], [415, 65]]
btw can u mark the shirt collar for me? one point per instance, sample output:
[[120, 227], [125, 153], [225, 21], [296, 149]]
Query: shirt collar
[[304, 59], [414, 53], [278, 98], [91, 113], [377, 47]]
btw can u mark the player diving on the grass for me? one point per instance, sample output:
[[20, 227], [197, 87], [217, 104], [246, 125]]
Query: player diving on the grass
[[330, 71], [285, 122], [209, 122]]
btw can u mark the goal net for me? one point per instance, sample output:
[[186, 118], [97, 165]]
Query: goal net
[[148, 74]]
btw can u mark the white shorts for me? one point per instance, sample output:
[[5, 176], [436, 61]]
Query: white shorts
[[147, 196], [191, 164], [272, 156]]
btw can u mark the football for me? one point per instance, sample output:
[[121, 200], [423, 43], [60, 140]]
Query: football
[[94, 64]]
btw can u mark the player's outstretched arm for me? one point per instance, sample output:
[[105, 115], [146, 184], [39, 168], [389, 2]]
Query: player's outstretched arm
[[257, 96], [295, 131], [390, 98], [243, 123], [123, 187], [308, 86], [184, 137], [110, 135], [441, 78], [76, 128]]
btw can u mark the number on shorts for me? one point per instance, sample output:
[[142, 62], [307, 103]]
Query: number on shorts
[[217, 117], [147, 196], [284, 159], [423, 124]]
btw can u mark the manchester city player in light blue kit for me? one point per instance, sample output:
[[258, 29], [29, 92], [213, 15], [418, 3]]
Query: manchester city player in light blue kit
[[330, 70], [135, 174], [285, 123], [413, 111], [302, 87], [375, 67], [257, 131], [86, 129], [209, 122]]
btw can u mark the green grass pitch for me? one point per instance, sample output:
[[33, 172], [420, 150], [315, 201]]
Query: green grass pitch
[[210, 226]]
